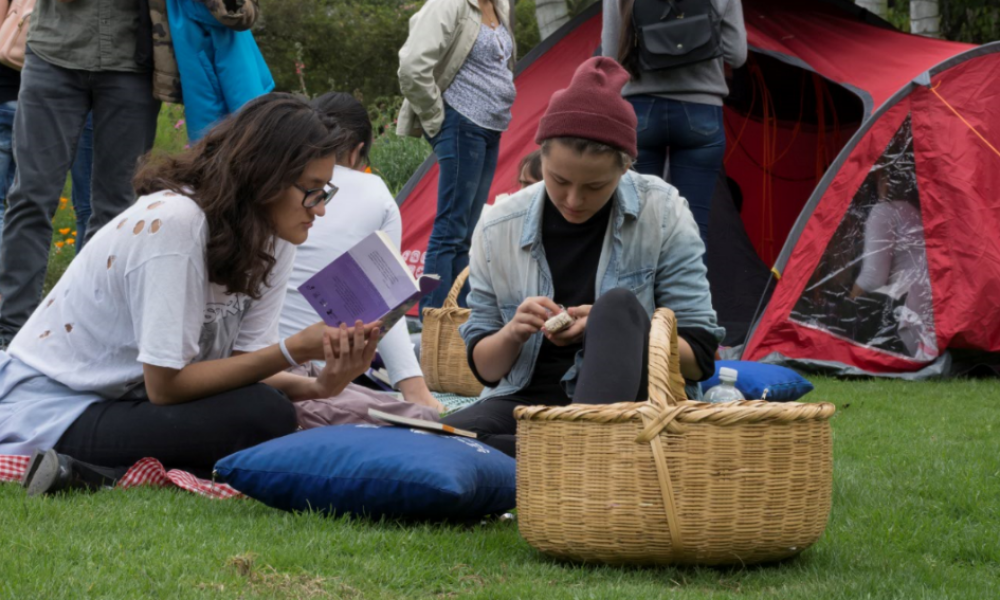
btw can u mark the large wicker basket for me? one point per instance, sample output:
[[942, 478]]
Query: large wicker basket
[[443, 357], [671, 481]]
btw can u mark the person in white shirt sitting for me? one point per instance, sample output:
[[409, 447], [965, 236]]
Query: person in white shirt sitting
[[363, 205], [161, 338], [894, 261]]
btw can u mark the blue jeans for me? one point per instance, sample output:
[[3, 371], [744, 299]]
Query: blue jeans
[[81, 171], [467, 157], [83, 167], [693, 137], [6, 153]]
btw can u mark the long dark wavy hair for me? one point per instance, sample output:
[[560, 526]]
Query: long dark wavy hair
[[236, 172], [628, 51]]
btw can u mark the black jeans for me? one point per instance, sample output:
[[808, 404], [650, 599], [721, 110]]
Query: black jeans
[[615, 369], [190, 436]]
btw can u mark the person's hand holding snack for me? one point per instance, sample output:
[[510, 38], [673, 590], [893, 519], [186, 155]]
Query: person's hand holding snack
[[571, 332], [530, 318]]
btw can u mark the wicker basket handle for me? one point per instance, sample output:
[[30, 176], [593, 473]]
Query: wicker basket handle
[[666, 384], [666, 391], [452, 300]]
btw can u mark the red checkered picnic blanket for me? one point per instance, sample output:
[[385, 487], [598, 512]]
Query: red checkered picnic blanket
[[147, 471]]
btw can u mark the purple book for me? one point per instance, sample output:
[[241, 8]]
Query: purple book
[[368, 282]]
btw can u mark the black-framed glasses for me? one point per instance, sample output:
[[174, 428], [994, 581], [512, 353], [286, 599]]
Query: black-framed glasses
[[316, 196]]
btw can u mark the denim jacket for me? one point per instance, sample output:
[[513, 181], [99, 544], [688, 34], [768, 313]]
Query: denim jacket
[[652, 247]]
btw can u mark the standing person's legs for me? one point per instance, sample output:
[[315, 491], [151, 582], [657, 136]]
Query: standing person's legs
[[492, 141], [652, 134], [52, 107], [190, 436], [615, 351], [461, 150], [83, 166], [125, 114], [492, 421], [7, 165], [697, 148]]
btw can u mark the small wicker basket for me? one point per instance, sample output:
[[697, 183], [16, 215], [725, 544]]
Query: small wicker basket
[[671, 481], [442, 351]]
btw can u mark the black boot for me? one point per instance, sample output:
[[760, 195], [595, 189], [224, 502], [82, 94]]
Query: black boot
[[57, 472], [33, 462]]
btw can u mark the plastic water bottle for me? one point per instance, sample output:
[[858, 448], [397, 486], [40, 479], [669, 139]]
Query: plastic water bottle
[[726, 391]]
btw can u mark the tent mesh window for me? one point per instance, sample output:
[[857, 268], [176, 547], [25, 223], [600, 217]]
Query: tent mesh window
[[872, 285]]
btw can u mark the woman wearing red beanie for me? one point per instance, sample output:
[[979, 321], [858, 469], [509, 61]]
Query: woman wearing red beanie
[[606, 242], [456, 71]]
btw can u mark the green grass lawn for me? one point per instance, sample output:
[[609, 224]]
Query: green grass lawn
[[916, 514]]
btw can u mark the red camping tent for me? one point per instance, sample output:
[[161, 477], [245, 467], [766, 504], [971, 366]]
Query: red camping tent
[[929, 133], [832, 99]]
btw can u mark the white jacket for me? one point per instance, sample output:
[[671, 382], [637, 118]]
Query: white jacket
[[442, 35]]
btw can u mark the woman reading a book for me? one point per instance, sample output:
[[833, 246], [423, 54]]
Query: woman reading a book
[[363, 206], [606, 242], [161, 339]]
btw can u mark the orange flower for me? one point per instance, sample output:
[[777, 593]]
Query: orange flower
[[64, 231], [60, 244], [71, 241], [74, 232]]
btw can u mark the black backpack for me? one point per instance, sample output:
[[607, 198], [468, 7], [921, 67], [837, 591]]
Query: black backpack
[[675, 33]]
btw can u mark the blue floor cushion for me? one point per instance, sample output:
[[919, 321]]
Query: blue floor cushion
[[375, 471], [782, 384]]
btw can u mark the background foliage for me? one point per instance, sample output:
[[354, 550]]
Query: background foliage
[[970, 21], [314, 46], [973, 21]]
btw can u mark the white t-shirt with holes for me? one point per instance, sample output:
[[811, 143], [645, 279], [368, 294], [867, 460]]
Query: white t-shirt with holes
[[138, 293]]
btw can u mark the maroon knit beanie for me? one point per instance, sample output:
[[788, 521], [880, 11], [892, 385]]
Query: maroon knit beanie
[[592, 108]]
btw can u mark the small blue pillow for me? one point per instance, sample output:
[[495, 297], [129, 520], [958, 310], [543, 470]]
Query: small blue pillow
[[782, 384], [375, 471]]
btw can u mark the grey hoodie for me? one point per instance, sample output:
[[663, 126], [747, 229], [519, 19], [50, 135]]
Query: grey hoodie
[[701, 83]]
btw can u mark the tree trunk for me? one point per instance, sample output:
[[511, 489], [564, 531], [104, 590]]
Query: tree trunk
[[925, 18], [551, 15], [879, 7]]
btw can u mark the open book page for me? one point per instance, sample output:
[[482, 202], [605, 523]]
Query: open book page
[[418, 423], [368, 282]]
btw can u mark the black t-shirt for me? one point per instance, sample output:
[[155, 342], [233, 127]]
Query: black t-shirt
[[573, 253]]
